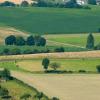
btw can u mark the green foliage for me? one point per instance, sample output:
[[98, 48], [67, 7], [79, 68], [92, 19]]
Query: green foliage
[[5, 74], [45, 63], [10, 40], [42, 41], [24, 3], [3, 92], [90, 41], [93, 2], [20, 41], [15, 51], [98, 68], [55, 98], [39, 41], [97, 47], [60, 49], [39, 95], [55, 65], [72, 4], [25, 96], [7, 4], [30, 41]]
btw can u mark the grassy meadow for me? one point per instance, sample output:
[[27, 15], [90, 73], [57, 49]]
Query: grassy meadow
[[51, 20], [88, 64], [73, 39], [17, 89]]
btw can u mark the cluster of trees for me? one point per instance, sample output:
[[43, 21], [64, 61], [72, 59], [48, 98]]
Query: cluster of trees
[[69, 4], [7, 4], [44, 3], [91, 43], [30, 41], [46, 64]]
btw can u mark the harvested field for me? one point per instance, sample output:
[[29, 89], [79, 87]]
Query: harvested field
[[66, 87], [85, 54]]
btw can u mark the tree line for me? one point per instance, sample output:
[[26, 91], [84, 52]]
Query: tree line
[[43, 3], [30, 40]]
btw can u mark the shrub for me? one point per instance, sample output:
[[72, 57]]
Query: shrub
[[3, 92], [55, 65], [20, 41], [6, 51], [25, 96], [15, 51], [82, 71], [97, 47], [28, 51], [59, 49], [86, 7], [55, 98], [5, 74], [39, 95], [98, 68]]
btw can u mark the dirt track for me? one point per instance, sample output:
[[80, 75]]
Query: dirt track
[[86, 54], [66, 87]]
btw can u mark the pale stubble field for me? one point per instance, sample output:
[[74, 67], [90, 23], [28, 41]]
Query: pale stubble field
[[66, 87]]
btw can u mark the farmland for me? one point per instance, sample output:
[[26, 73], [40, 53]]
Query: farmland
[[66, 87], [34, 65], [51, 20], [76, 77], [17, 89], [73, 39]]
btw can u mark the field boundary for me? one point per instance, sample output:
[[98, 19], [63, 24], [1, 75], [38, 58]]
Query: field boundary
[[64, 55]]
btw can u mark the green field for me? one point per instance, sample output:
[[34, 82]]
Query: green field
[[17, 89], [34, 65], [73, 39], [51, 20]]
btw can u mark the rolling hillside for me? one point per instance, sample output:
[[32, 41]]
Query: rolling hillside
[[51, 20]]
